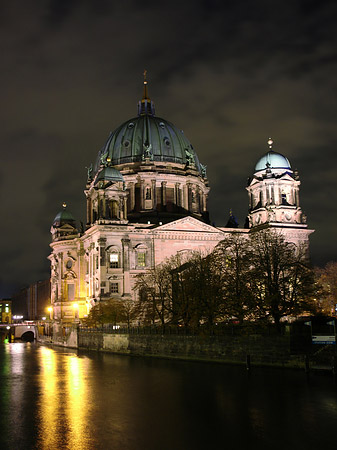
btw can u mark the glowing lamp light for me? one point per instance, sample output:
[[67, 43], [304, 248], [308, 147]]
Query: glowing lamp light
[[50, 309], [8, 328], [43, 318], [75, 305]]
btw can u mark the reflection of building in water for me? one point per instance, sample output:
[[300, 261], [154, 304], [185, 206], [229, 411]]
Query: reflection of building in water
[[5, 311], [147, 199]]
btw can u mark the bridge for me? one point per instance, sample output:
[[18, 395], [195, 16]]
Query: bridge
[[24, 331]]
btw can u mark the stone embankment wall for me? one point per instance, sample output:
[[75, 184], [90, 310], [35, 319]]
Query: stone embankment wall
[[262, 350], [64, 336]]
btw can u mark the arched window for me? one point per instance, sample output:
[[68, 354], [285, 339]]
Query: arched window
[[114, 260], [141, 256]]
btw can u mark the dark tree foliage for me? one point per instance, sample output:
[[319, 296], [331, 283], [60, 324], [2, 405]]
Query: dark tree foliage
[[112, 311], [251, 277], [200, 285], [281, 279], [326, 281], [155, 288], [233, 255]]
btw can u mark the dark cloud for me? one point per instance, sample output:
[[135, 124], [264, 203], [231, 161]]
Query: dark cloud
[[228, 74]]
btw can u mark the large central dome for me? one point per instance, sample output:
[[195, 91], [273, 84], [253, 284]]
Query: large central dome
[[155, 166], [148, 136]]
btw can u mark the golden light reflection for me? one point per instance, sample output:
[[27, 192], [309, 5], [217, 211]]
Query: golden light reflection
[[49, 399], [77, 403], [16, 387]]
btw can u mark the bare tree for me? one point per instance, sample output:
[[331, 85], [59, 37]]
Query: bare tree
[[233, 255], [326, 279], [114, 311], [155, 292], [280, 279]]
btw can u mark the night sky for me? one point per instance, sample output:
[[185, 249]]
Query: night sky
[[230, 74]]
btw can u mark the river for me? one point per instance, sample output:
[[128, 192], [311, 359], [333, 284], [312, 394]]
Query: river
[[54, 398]]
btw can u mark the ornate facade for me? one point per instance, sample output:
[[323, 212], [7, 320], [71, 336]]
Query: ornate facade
[[147, 200]]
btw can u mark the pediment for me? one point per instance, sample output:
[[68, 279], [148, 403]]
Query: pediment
[[188, 224], [66, 227]]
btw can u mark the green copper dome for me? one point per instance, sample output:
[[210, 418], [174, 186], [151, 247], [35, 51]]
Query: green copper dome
[[272, 160], [147, 136], [64, 217], [109, 174]]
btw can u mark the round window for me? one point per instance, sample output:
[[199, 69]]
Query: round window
[[69, 264]]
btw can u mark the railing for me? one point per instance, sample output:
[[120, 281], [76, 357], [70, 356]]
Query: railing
[[221, 330]]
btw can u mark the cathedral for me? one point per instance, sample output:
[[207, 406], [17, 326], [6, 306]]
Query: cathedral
[[146, 198]]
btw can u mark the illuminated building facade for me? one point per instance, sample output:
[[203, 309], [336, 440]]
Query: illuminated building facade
[[147, 199], [5, 311]]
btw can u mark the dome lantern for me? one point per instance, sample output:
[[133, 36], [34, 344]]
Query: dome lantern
[[145, 105]]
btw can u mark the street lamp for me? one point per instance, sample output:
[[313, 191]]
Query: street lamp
[[50, 310]]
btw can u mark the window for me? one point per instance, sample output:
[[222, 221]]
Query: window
[[71, 292], [114, 288], [141, 259], [113, 260]]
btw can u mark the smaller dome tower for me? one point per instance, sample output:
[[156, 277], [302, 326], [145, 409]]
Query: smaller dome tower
[[274, 193], [106, 196], [64, 225]]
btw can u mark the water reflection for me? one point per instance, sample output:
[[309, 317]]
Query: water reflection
[[77, 402], [49, 401], [63, 404], [56, 399]]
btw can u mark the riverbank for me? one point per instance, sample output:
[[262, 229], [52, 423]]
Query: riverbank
[[255, 350], [264, 349]]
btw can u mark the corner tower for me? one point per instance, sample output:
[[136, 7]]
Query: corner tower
[[274, 197]]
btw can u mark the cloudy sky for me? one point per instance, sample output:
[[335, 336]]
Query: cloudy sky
[[230, 74]]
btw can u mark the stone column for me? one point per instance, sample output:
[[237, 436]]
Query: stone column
[[132, 196], [102, 245], [198, 199], [189, 196], [89, 215], [205, 202], [125, 252], [126, 266], [154, 194], [177, 194], [185, 197], [125, 208], [163, 193], [142, 206], [297, 197]]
